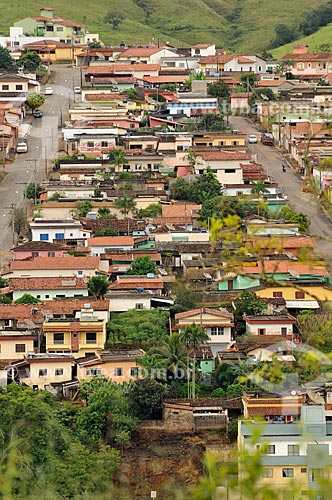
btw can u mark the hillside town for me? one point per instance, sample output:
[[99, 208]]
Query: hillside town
[[166, 229]]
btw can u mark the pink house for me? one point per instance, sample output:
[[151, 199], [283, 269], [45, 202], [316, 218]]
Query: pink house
[[315, 66], [39, 249], [240, 101]]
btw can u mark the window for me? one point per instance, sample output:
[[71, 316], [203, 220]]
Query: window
[[91, 338], [287, 472], [217, 330], [303, 470], [293, 450], [117, 372], [58, 338], [90, 144], [261, 331], [138, 166], [51, 254], [79, 273], [277, 294], [42, 372], [19, 347], [156, 166], [230, 170], [58, 371], [59, 28], [299, 295], [134, 372], [104, 144], [139, 306], [47, 296], [49, 28], [316, 474], [267, 473], [93, 372], [19, 87], [283, 332], [34, 254], [5, 87], [271, 449], [59, 236], [43, 237]]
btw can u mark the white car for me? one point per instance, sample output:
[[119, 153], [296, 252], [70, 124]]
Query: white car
[[21, 147], [252, 139], [77, 90], [48, 91]]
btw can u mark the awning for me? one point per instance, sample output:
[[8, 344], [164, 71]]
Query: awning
[[302, 304]]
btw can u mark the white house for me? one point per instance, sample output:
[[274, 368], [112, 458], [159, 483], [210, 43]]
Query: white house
[[203, 50], [98, 245], [49, 288], [226, 164], [58, 230], [281, 325]]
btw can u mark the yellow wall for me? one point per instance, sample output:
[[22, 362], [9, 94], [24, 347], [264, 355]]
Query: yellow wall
[[7, 348], [288, 292], [107, 370], [41, 381]]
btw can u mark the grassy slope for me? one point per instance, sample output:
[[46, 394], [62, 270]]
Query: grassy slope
[[324, 35], [184, 23]]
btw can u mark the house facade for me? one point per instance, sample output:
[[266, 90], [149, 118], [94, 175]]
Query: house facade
[[281, 325]]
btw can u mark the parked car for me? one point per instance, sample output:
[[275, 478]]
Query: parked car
[[48, 91], [37, 113], [252, 139], [77, 90], [22, 147]]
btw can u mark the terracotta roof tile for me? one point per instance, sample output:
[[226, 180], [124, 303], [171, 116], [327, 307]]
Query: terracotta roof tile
[[47, 283], [56, 263], [223, 155], [223, 313], [109, 241], [141, 51]]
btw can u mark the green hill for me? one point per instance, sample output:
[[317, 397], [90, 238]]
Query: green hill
[[322, 37], [239, 25]]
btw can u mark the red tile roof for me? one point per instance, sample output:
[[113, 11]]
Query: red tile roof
[[109, 241], [223, 155], [223, 313], [137, 282], [142, 51], [47, 283], [271, 83], [124, 68], [181, 210], [56, 263], [202, 45]]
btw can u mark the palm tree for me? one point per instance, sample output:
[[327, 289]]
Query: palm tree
[[193, 336], [259, 188], [170, 354], [117, 157]]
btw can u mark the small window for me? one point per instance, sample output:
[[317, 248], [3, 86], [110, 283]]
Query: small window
[[47, 296], [90, 144], [19, 87], [19, 347], [5, 87], [104, 144], [230, 170], [138, 166], [34, 254], [293, 450], [271, 449], [58, 371], [303, 470], [117, 372], [51, 254], [267, 473], [49, 28], [59, 236], [277, 295], [134, 371], [299, 295], [58, 338], [93, 372], [287, 472], [59, 28], [316, 474], [43, 237], [217, 330], [79, 273], [139, 306], [261, 331], [91, 338], [42, 372]]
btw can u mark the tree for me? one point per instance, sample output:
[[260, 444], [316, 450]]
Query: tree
[[117, 158], [32, 191], [152, 210], [170, 355], [218, 89], [29, 60], [211, 122], [114, 18], [142, 265], [98, 286], [105, 213], [3, 282], [193, 336], [146, 397], [289, 215], [196, 75], [20, 222], [181, 189], [248, 303], [316, 329], [106, 231], [27, 298], [83, 208], [205, 186], [283, 34], [34, 100], [185, 299], [6, 61], [248, 81], [97, 193], [259, 188], [125, 205], [132, 94]]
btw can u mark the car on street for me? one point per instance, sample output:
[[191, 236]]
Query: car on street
[[37, 113], [77, 90], [252, 139], [48, 91], [21, 147]]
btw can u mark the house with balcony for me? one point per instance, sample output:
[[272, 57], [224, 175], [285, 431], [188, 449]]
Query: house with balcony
[[82, 336], [50, 25], [218, 324], [119, 366], [309, 66]]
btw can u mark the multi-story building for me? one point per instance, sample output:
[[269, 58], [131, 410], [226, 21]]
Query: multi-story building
[[299, 452]]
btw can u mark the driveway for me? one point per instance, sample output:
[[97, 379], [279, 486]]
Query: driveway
[[272, 160], [44, 134]]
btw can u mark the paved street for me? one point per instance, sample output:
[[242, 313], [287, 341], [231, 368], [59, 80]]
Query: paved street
[[43, 140], [271, 159]]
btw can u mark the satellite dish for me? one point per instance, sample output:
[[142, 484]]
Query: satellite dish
[[150, 275], [293, 393]]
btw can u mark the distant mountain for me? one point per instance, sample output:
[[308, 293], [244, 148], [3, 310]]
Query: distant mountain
[[237, 25]]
